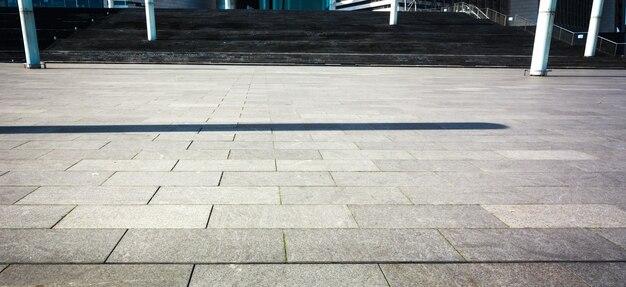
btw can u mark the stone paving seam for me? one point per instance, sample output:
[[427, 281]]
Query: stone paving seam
[[63, 217], [115, 246], [25, 195], [452, 245], [105, 144], [110, 176], [175, 164], [193, 268], [72, 165], [209, 219], [155, 192], [593, 230], [384, 275], [285, 245]]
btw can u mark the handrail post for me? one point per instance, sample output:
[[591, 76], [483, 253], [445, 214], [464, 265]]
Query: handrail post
[[393, 13], [543, 36], [29, 33], [150, 23], [594, 28]]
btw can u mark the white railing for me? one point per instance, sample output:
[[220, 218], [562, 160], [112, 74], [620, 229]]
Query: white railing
[[564, 35], [380, 5]]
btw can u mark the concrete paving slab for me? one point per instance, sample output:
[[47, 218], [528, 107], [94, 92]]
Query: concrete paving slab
[[559, 216], [83, 195], [284, 216], [22, 154], [599, 274], [545, 155], [179, 178], [216, 195], [424, 216], [225, 165], [200, 246], [316, 145], [510, 274], [389, 179], [11, 194], [96, 275], [123, 165], [615, 235], [342, 195], [137, 216], [31, 216], [425, 165], [62, 145], [533, 245], [365, 154], [367, 245], [36, 165], [88, 154], [295, 178], [289, 275], [261, 154], [56, 178], [325, 165], [182, 154], [57, 245]]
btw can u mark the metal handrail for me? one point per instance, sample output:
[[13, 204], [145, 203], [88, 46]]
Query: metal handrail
[[562, 34]]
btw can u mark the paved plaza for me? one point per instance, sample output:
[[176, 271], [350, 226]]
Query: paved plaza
[[172, 175]]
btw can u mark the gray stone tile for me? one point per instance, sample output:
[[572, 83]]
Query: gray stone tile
[[289, 275], [124, 165], [31, 216], [182, 154], [22, 154], [137, 216], [615, 235], [56, 245], [89, 154], [533, 245], [316, 145], [423, 216], [365, 154], [587, 179], [545, 155], [199, 145], [89, 195], [559, 216], [10, 144], [599, 274], [367, 245], [424, 165], [511, 274], [454, 194], [276, 179], [281, 216], [62, 145], [261, 154], [326, 165], [11, 194], [226, 165], [545, 166], [96, 275], [178, 178], [30, 178], [216, 195], [386, 178], [35, 165], [455, 155], [200, 246], [512, 179], [342, 195]]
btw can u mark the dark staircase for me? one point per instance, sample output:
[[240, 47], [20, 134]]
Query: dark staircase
[[282, 37]]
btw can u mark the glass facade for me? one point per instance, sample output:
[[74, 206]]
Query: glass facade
[[59, 3]]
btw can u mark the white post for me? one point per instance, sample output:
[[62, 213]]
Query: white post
[[29, 33], [227, 5], [543, 37], [150, 23], [594, 28], [264, 4], [110, 3], [332, 5], [393, 13]]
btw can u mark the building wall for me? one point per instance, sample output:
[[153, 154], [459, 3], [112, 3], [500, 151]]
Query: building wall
[[525, 8]]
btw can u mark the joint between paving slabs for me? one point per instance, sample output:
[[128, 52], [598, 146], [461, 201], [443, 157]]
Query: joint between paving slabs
[[219, 182], [156, 137], [384, 276], [452, 245], [25, 195], [498, 218], [285, 245], [280, 197], [175, 164], [4, 173], [19, 145], [110, 176], [116, 244], [155, 192], [600, 235], [193, 268], [62, 217], [353, 216], [105, 145], [209, 219], [73, 165], [189, 145]]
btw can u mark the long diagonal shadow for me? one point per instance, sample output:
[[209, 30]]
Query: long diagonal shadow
[[249, 127]]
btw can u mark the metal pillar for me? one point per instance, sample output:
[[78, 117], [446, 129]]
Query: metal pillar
[[29, 33], [150, 23], [332, 5], [594, 28], [110, 3], [393, 13], [264, 4], [543, 36]]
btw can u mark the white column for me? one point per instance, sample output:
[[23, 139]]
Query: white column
[[110, 3], [227, 5], [332, 5], [594, 28], [393, 13], [264, 4], [29, 33], [543, 36], [150, 23]]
